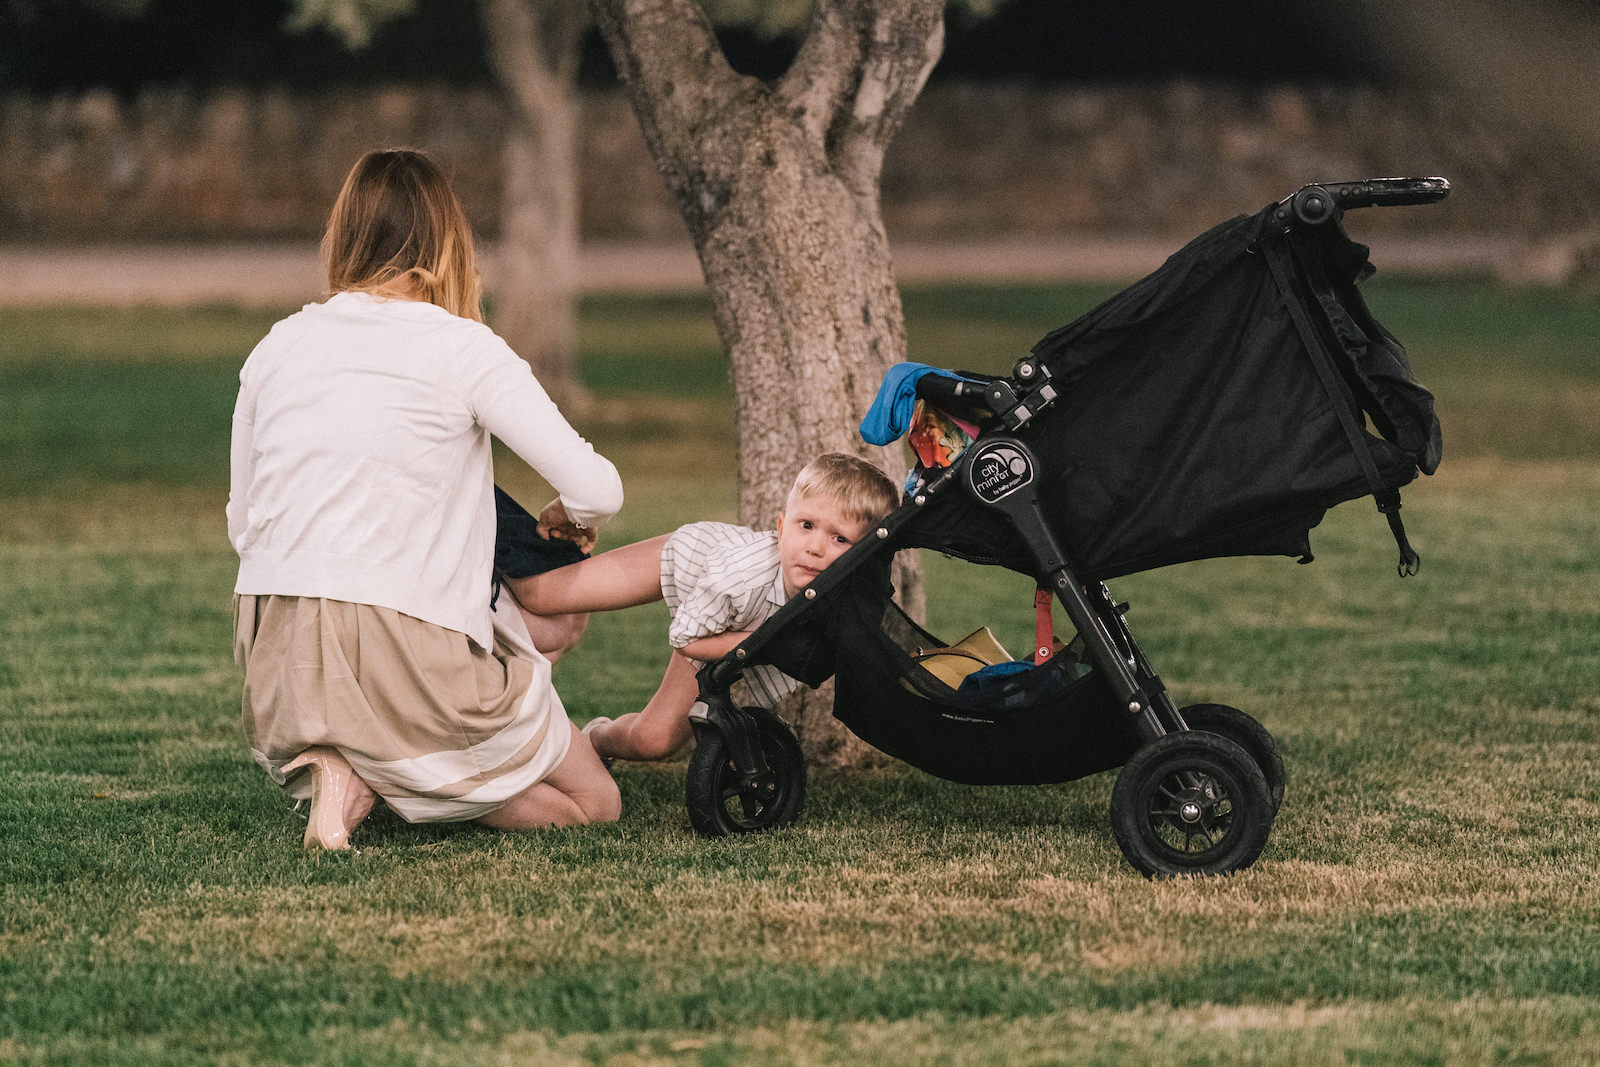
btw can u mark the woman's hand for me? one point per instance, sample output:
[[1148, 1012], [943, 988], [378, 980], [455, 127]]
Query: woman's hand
[[554, 522]]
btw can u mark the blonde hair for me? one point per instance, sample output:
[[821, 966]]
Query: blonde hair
[[397, 230], [859, 489]]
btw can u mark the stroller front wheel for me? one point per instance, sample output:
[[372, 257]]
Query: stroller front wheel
[[1191, 802], [1249, 735], [720, 798]]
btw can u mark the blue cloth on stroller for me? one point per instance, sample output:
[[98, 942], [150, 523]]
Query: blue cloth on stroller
[[889, 417]]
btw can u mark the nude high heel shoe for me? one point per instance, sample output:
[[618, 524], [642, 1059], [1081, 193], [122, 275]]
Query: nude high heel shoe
[[331, 782]]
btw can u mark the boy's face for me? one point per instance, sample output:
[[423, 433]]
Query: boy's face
[[812, 533]]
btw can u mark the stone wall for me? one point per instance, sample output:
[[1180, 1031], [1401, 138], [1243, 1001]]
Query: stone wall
[[972, 161]]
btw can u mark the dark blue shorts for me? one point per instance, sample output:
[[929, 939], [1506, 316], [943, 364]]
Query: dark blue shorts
[[518, 549]]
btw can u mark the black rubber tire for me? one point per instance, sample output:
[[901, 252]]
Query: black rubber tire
[[1230, 811], [718, 808], [1249, 735]]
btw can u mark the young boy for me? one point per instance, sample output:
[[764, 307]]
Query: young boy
[[720, 582]]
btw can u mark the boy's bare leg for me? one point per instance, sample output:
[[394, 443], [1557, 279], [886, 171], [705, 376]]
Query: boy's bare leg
[[621, 578], [662, 728]]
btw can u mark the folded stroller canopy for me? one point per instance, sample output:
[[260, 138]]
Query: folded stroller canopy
[[1217, 407]]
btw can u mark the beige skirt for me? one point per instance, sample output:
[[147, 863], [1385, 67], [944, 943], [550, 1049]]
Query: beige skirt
[[441, 729]]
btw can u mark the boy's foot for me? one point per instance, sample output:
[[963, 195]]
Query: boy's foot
[[588, 731]]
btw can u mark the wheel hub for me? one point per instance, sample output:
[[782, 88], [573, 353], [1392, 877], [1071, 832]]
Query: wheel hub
[[1189, 811]]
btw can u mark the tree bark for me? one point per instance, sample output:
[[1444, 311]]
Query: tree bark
[[534, 47], [779, 187]]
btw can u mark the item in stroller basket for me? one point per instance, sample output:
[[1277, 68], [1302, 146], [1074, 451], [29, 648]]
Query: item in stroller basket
[[953, 663]]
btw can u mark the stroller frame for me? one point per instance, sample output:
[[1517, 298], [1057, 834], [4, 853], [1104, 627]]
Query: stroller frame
[[1217, 781]]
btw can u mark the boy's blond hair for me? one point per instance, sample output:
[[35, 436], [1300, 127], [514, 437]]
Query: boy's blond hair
[[861, 491]]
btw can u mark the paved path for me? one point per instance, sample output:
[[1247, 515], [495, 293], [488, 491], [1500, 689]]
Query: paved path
[[285, 274]]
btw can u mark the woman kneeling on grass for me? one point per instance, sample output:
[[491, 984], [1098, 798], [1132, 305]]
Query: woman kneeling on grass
[[362, 508]]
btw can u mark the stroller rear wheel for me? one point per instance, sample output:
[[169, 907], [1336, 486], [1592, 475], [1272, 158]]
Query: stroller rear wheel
[[1191, 802], [1249, 735], [721, 802]]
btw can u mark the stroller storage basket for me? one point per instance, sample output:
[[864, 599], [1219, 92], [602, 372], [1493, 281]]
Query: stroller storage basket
[[1047, 725]]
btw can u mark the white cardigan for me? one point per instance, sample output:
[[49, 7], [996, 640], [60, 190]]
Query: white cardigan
[[361, 467]]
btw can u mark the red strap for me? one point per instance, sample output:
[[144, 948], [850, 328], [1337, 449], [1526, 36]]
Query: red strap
[[1044, 627]]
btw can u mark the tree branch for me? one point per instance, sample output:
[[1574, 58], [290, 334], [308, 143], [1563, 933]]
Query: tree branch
[[668, 57], [902, 42], [861, 67], [816, 83]]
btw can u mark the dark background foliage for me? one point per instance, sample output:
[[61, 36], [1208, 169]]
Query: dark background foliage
[[51, 46]]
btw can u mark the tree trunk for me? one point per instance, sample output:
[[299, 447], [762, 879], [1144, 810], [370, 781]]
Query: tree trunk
[[534, 46], [778, 185]]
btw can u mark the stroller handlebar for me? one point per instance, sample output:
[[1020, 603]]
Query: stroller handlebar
[[1313, 205], [972, 396], [942, 388], [991, 400]]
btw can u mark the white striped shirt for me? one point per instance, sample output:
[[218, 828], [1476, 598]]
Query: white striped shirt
[[718, 577]]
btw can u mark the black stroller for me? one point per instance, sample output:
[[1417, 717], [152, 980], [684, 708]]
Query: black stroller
[[1217, 407]]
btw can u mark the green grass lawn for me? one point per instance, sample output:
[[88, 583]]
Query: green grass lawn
[[1428, 894]]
